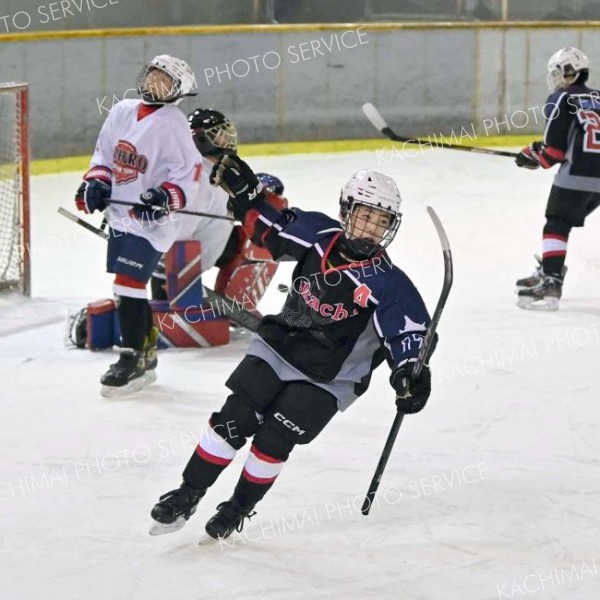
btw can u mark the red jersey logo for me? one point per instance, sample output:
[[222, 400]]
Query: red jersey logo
[[128, 164], [361, 295]]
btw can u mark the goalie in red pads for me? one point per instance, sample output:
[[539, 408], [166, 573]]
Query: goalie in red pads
[[245, 269]]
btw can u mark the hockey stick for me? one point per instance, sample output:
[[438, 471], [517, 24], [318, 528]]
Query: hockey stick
[[422, 359], [225, 307], [160, 208], [379, 122], [85, 224]]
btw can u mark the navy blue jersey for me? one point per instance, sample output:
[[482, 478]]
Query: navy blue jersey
[[340, 320], [572, 137]]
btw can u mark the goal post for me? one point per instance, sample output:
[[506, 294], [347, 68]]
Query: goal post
[[15, 256]]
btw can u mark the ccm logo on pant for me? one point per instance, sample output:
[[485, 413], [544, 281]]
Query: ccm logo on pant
[[289, 424]]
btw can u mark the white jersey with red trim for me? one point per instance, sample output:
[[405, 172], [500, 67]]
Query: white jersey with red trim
[[212, 233], [146, 147]]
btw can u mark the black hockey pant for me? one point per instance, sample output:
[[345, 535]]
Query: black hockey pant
[[276, 414]]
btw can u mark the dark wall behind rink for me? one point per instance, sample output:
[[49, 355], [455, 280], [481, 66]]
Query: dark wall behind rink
[[309, 85]]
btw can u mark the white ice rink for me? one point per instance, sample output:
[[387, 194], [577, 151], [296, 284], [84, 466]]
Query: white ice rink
[[493, 491]]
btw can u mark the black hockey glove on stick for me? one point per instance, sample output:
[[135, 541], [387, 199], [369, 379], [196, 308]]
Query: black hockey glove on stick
[[160, 200], [529, 157], [235, 176], [411, 394], [379, 122], [94, 190], [419, 365]]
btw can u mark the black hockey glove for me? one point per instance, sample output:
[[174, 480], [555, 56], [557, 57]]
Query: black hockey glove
[[234, 175], [411, 396], [160, 201], [529, 157], [95, 189]]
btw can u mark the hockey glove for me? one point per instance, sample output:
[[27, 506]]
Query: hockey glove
[[529, 157], [234, 175], [95, 189], [160, 201], [411, 396]]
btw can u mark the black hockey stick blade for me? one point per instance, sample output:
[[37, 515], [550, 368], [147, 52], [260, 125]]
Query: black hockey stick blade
[[379, 122], [88, 226], [160, 208], [219, 304], [422, 358], [232, 309]]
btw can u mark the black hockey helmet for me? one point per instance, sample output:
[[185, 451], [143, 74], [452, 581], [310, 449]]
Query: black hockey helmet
[[214, 134]]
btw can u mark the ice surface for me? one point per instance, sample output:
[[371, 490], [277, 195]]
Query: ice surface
[[494, 485]]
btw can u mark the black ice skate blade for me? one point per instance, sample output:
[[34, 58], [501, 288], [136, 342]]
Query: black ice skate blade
[[162, 528], [543, 305], [111, 391]]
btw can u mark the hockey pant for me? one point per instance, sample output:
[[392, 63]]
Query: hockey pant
[[277, 415], [566, 209], [132, 259]]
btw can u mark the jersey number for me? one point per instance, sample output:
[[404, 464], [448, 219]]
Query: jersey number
[[591, 125], [198, 171]]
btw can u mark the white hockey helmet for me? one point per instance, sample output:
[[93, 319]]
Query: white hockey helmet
[[157, 89], [567, 62], [373, 189]]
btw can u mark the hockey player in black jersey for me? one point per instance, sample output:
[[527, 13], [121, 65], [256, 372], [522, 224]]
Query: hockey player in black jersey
[[571, 138], [349, 309]]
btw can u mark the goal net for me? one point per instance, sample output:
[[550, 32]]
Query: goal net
[[15, 270]]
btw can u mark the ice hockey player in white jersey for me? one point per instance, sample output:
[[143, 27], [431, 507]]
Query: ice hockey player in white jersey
[[144, 155]]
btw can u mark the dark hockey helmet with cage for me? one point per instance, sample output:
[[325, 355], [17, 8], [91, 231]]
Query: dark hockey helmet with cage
[[375, 190], [271, 183], [214, 134]]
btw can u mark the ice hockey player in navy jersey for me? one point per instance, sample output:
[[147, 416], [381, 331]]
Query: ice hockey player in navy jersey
[[348, 310], [571, 139], [144, 155]]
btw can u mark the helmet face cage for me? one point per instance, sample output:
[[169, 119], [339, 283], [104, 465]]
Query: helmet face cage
[[213, 132], [271, 183], [165, 79], [374, 191], [364, 248], [567, 62]]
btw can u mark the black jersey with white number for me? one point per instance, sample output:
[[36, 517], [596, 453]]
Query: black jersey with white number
[[572, 137], [340, 320]]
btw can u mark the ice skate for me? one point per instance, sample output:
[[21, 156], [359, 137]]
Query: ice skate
[[230, 517], [536, 277], [544, 296], [150, 355], [175, 508], [126, 376]]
